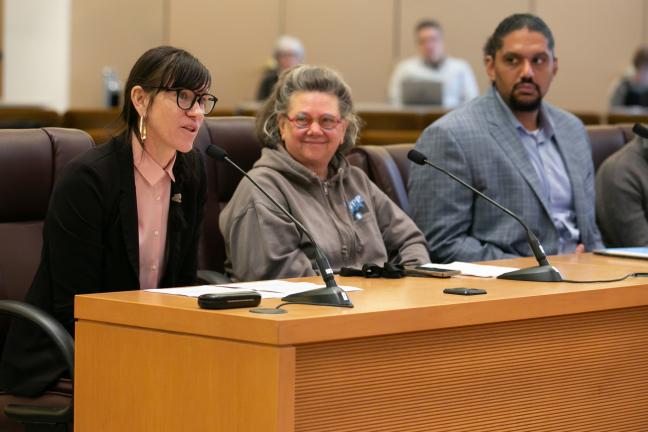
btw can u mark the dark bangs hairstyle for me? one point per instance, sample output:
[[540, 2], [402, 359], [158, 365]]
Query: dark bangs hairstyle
[[161, 68]]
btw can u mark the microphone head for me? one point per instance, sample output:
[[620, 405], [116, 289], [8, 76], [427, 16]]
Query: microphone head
[[216, 152], [417, 157], [640, 130]]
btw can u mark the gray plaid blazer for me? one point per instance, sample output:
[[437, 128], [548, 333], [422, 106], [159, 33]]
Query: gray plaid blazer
[[479, 143]]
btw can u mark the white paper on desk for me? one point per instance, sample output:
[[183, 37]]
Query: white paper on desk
[[468, 269], [193, 291], [267, 289], [275, 286], [197, 291], [281, 287]]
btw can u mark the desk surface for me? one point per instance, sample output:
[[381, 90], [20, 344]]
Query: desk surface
[[386, 306]]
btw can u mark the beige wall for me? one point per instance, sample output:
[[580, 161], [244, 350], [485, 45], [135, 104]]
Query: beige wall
[[361, 38], [355, 37], [36, 51], [109, 33], [595, 41], [231, 37]]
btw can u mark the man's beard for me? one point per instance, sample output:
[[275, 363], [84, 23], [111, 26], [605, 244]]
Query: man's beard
[[528, 105]]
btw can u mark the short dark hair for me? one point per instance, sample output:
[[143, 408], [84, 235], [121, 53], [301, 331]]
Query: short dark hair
[[427, 23], [516, 22], [640, 57], [157, 68]]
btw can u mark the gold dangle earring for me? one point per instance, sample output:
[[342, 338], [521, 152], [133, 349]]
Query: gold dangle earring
[[142, 129]]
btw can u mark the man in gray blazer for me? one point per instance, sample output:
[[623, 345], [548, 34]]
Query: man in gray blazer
[[524, 153]]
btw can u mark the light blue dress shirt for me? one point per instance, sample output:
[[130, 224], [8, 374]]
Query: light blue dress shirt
[[550, 167]]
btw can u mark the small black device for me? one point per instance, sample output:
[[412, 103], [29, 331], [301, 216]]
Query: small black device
[[430, 271], [464, 291], [235, 299]]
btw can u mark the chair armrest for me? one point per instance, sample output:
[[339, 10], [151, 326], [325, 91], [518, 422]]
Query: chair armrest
[[33, 414], [63, 342], [211, 277]]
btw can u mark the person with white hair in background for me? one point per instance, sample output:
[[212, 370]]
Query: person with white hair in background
[[288, 52]]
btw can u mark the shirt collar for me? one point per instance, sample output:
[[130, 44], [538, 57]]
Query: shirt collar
[[147, 167], [436, 66], [545, 122]]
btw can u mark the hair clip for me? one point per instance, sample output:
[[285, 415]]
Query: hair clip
[[177, 198]]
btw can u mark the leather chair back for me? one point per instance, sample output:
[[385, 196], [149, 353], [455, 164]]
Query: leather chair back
[[237, 137], [31, 160], [388, 167], [606, 140]]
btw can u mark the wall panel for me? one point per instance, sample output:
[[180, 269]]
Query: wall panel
[[233, 38], [36, 52], [113, 33], [355, 37], [362, 38], [594, 44]]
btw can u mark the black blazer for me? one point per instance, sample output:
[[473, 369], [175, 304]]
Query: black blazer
[[91, 244]]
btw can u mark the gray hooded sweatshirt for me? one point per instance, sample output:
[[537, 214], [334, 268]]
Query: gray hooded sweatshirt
[[352, 220]]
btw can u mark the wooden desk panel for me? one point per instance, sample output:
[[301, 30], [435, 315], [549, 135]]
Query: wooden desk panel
[[524, 357], [577, 372], [130, 379]]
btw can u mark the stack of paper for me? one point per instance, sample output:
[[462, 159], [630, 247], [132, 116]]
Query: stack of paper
[[469, 269], [267, 289]]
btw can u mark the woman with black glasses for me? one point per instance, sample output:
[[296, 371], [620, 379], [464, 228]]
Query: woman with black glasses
[[123, 216]]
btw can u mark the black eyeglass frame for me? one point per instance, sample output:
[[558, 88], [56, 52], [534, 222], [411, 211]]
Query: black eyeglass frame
[[193, 102]]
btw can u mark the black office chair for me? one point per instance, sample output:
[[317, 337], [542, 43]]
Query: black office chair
[[237, 137], [42, 418], [30, 162]]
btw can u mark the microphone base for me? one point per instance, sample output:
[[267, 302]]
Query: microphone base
[[327, 296], [545, 273]]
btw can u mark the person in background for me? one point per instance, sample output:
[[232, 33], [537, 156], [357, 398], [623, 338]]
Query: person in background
[[288, 52], [510, 144], [632, 89], [307, 125], [123, 216], [622, 195], [431, 64]]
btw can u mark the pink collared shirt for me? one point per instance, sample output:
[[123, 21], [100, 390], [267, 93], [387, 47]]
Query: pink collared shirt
[[153, 192]]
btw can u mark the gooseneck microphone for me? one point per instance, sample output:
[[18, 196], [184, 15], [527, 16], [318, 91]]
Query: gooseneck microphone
[[544, 272], [332, 294]]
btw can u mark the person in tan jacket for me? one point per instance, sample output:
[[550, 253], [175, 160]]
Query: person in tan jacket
[[307, 125]]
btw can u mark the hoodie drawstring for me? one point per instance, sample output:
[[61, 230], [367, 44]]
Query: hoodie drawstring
[[357, 245]]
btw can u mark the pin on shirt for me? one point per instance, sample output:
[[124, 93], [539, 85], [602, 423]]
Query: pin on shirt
[[177, 198], [357, 207]]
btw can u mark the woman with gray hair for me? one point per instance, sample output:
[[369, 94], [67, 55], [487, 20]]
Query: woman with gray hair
[[307, 125]]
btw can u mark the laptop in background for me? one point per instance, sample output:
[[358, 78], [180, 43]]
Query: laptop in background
[[421, 92], [629, 252]]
